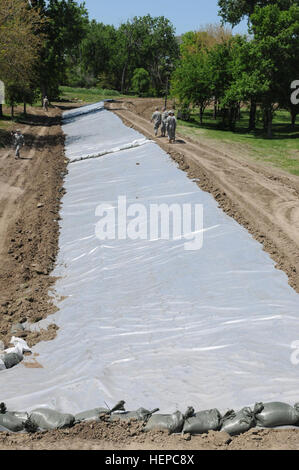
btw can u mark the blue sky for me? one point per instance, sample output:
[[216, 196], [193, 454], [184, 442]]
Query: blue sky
[[185, 15]]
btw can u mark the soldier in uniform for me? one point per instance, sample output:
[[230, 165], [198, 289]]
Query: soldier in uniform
[[171, 127], [164, 121], [18, 142], [157, 119], [46, 103]]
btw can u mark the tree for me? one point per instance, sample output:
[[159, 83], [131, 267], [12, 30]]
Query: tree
[[20, 39], [276, 49], [64, 30], [94, 56], [191, 81], [140, 81], [149, 43], [233, 11]]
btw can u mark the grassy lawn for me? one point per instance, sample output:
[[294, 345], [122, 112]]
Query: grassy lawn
[[87, 95], [282, 151]]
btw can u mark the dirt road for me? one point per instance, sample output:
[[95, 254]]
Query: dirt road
[[30, 193], [263, 199]]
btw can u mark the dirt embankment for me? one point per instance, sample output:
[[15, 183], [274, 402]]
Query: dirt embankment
[[119, 435], [30, 193], [260, 197]]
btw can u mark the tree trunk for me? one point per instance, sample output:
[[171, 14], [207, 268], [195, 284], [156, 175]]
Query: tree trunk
[[238, 116], [12, 112], [202, 109], [123, 78], [1, 111], [25, 109], [215, 109], [232, 114], [269, 123], [293, 118], [252, 115]]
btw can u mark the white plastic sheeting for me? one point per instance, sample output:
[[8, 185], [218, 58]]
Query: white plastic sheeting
[[97, 135], [147, 321]]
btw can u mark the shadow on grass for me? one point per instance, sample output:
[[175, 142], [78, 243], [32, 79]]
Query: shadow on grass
[[280, 131]]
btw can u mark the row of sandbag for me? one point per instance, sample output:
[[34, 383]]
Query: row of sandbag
[[267, 415], [12, 356]]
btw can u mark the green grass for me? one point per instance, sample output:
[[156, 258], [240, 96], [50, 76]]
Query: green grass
[[87, 95], [282, 151]]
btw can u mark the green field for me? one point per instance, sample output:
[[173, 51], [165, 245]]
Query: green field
[[87, 95], [282, 151]]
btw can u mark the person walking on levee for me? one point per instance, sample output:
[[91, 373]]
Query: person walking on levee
[[18, 142], [157, 119], [171, 127]]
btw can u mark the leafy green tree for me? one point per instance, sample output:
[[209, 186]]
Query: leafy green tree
[[191, 81], [275, 47], [149, 43], [20, 42], [96, 52], [233, 11], [64, 30], [140, 81]]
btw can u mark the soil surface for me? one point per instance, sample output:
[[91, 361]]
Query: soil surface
[[30, 193], [261, 198], [119, 435]]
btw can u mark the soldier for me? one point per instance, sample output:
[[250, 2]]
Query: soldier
[[164, 121], [171, 126], [46, 103], [18, 142], [157, 118]]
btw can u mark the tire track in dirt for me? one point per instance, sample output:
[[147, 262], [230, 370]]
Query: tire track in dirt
[[15, 187], [263, 199]]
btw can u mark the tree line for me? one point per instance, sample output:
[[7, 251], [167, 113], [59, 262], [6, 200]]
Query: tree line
[[48, 43], [255, 69]]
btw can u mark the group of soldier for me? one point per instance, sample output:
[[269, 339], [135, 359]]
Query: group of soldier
[[167, 121]]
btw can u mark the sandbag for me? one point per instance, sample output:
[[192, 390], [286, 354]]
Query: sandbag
[[236, 423], [173, 423], [11, 422], [11, 359], [2, 429], [203, 422], [140, 415], [90, 415], [96, 413], [46, 419], [278, 414], [22, 415]]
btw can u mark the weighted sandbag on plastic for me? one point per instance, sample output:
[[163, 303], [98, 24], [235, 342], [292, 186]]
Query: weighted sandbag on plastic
[[91, 415], [22, 415], [11, 359], [278, 414], [46, 419], [173, 423], [140, 415], [203, 422], [11, 422], [2, 429], [237, 423], [96, 413]]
